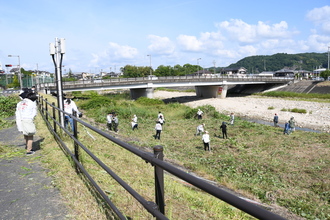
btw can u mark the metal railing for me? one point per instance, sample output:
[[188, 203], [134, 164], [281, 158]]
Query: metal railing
[[103, 83], [50, 114]]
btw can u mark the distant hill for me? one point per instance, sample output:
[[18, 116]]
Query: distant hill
[[301, 61]]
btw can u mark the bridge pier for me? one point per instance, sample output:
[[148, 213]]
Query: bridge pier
[[145, 92], [211, 91]]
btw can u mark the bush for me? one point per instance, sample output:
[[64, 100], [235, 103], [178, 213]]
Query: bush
[[97, 102], [8, 106], [146, 101], [209, 111]]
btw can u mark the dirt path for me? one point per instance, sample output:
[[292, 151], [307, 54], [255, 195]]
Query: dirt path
[[26, 192]]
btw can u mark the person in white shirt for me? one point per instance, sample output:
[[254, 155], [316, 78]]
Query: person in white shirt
[[69, 107], [200, 129], [232, 118], [158, 129], [109, 121], [160, 115], [134, 122], [199, 114], [206, 141], [26, 110]]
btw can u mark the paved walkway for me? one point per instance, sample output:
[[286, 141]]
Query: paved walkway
[[26, 192]]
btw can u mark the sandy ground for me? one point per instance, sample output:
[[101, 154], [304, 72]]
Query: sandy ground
[[317, 116]]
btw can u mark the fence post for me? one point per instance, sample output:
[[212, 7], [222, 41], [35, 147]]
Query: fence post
[[75, 134], [159, 180], [54, 116], [42, 106], [46, 109]]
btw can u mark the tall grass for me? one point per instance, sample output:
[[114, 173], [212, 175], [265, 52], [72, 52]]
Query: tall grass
[[282, 94], [256, 160]]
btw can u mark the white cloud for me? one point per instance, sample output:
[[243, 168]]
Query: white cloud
[[320, 16], [121, 52], [113, 54], [189, 43], [246, 33], [160, 45], [318, 43]]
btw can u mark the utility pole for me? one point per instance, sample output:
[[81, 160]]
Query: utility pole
[[57, 51], [214, 65]]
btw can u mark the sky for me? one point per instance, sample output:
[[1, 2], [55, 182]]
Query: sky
[[105, 35]]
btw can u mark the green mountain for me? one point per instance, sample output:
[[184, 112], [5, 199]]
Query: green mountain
[[301, 61]]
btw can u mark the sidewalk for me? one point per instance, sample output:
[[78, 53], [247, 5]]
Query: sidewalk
[[26, 192]]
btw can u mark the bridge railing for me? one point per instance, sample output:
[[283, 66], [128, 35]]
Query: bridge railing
[[51, 114], [169, 79]]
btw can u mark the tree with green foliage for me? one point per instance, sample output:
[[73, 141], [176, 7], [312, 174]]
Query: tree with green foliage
[[325, 74], [136, 71], [303, 61]]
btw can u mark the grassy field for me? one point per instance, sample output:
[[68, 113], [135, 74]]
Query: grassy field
[[257, 161]]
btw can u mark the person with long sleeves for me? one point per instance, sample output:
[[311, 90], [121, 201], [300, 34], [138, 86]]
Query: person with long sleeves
[[158, 129], [223, 128], [26, 110], [109, 121], [69, 107], [206, 141]]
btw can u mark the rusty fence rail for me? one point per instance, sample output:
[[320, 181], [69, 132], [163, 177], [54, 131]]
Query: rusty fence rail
[[50, 114]]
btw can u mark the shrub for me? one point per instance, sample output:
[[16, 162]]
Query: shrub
[[146, 101], [298, 110], [97, 102], [8, 106]]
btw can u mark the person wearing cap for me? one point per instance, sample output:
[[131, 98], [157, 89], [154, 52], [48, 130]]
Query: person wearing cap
[[26, 110], [275, 120], [69, 107], [24, 92], [206, 141]]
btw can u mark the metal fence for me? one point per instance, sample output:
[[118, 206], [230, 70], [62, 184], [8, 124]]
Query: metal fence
[[50, 114]]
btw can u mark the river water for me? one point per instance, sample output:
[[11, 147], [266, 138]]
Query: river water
[[259, 121]]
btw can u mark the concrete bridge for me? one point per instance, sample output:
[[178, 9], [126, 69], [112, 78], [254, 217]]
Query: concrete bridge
[[205, 86]]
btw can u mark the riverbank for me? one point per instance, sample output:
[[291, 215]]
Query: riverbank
[[256, 107]]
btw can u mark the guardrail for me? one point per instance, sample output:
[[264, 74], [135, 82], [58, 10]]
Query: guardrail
[[51, 114], [167, 79]]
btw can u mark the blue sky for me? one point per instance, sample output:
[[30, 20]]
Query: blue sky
[[104, 34]]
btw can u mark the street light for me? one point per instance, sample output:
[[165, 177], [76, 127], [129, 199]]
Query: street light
[[150, 63], [198, 65], [19, 70]]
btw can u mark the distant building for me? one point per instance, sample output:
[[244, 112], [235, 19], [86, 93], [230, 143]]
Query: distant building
[[318, 71], [285, 73], [235, 70]]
